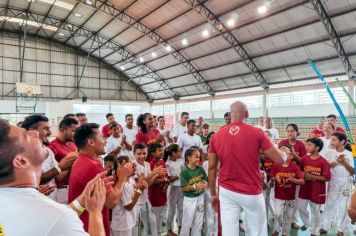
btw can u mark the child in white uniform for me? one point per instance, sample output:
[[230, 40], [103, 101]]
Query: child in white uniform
[[339, 192], [175, 164], [123, 214], [143, 206]]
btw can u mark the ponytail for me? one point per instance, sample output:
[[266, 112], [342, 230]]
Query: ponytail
[[141, 122], [170, 150]]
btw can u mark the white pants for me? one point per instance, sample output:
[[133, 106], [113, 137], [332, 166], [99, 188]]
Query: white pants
[[210, 216], [122, 233], [283, 212], [296, 212], [175, 202], [314, 222], [62, 195], [158, 212], [231, 204], [193, 214], [148, 219], [269, 201], [337, 204]]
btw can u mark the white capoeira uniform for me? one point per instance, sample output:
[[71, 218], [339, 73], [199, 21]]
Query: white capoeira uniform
[[143, 206], [314, 221], [210, 215], [175, 194], [339, 193], [193, 215], [283, 215]]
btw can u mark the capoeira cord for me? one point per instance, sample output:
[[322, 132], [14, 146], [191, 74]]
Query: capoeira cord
[[338, 108], [351, 100]]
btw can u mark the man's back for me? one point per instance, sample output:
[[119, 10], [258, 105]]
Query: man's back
[[25, 211], [237, 147]]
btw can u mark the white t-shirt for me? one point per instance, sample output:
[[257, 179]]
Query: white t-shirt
[[174, 168], [145, 170], [130, 134], [339, 171], [112, 143], [48, 164], [25, 211], [274, 133], [178, 130], [123, 219], [185, 141], [326, 146]]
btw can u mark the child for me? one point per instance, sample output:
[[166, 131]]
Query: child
[[193, 180], [285, 177], [339, 191], [143, 206], [174, 164], [157, 193], [123, 214], [210, 216], [316, 172]]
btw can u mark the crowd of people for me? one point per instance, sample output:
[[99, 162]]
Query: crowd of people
[[121, 179]]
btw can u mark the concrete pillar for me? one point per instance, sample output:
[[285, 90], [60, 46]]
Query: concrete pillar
[[265, 103]]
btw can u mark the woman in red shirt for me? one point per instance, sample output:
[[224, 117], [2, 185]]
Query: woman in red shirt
[[298, 147], [147, 134]]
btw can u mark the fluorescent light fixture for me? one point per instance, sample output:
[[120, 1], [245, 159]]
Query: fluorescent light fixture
[[89, 2], [56, 3], [168, 48], [29, 22], [61, 34], [154, 54], [122, 68], [205, 33], [230, 22], [77, 14], [142, 60], [262, 9], [184, 41]]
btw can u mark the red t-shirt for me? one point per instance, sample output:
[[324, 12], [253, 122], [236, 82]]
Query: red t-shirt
[[83, 170], [156, 194], [312, 190], [286, 190], [147, 139], [299, 147], [316, 133], [60, 150], [105, 131], [267, 166], [238, 148], [339, 129]]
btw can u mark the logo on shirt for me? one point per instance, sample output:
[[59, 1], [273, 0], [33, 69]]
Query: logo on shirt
[[234, 130]]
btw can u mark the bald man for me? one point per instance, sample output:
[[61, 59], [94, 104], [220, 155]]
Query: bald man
[[237, 147]]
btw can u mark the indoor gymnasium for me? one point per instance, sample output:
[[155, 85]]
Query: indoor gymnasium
[[177, 117]]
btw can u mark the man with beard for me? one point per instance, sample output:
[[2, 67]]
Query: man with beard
[[62, 147], [51, 170], [24, 210], [91, 145]]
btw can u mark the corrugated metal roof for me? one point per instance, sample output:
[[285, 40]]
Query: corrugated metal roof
[[278, 41]]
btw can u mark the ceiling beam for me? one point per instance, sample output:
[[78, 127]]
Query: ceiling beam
[[17, 13], [335, 39], [138, 25], [219, 27]]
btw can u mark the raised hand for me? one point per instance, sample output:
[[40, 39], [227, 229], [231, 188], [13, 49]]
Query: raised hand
[[125, 170], [95, 196], [46, 189], [67, 162]]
